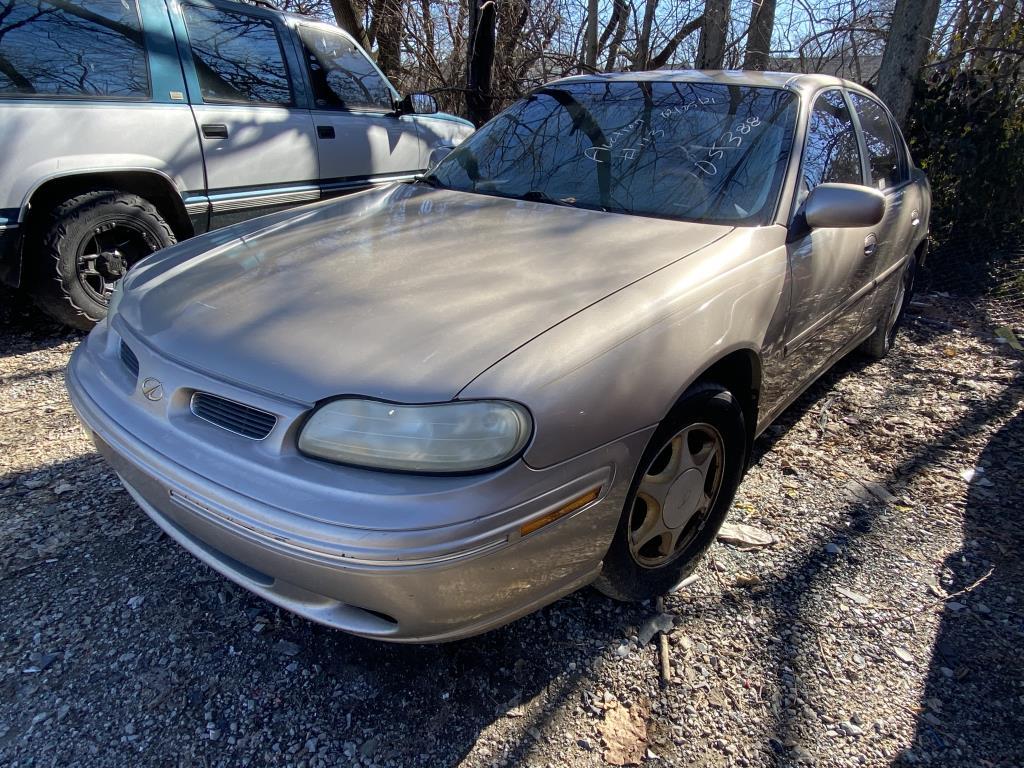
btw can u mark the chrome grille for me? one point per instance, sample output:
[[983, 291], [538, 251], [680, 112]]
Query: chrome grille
[[131, 362], [241, 419]]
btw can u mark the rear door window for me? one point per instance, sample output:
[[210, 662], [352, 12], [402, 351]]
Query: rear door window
[[89, 48], [342, 76], [831, 154], [238, 57], [880, 140]]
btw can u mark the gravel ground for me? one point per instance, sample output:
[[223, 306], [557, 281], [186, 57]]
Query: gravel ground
[[884, 625]]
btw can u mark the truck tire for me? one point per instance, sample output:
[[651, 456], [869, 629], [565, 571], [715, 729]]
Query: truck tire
[[86, 244]]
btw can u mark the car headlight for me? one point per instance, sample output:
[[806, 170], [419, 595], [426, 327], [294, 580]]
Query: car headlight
[[462, 436], [115, 298]]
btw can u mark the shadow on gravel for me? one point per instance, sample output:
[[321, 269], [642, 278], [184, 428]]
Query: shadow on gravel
[[25, 328], [974, 685]]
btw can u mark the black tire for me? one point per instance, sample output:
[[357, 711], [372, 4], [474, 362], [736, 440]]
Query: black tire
[[878, 344], [623, 577], [122, 228]]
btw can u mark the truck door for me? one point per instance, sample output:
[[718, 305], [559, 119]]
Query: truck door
[[259, 145]]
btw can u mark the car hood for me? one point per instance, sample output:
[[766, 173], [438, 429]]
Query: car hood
[[405, 293]]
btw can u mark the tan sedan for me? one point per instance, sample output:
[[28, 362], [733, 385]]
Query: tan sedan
[[422, 411]]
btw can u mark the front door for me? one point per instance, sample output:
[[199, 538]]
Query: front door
[[832, 270], [360, 138], [259, 147]]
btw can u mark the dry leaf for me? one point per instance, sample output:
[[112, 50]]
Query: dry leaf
[[624, 733]]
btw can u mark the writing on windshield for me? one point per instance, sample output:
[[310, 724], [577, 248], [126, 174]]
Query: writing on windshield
[[694, 151]]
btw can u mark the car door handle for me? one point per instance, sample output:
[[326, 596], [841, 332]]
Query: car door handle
[[215, 130], [325, 131], [870, 245]]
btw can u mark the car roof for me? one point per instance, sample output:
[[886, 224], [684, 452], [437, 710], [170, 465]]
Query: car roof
[[794, 81]]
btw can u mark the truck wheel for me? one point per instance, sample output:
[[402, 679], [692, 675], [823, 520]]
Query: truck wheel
[[682, 490], [880, 342], [87, 244]]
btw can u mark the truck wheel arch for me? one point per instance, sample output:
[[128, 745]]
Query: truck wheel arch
[[154, 186]]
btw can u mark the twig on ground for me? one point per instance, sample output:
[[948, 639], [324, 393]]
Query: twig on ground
[[663, 651]]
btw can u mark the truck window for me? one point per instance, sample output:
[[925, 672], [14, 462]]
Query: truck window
[[342, 76], [238, 57], [87, 48]]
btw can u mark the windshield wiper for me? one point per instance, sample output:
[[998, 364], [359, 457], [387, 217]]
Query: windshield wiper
[[430, 181], [535, 195]]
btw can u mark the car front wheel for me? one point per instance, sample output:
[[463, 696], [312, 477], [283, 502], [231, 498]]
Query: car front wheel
[[88, 244], [682, 490]]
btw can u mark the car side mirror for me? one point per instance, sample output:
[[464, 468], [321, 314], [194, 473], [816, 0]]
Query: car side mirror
[[418, 104], [843, 205]]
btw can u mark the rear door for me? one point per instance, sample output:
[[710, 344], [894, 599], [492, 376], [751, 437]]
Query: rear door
[[259, 145], [832, 269], [888, 171], [360, 138]]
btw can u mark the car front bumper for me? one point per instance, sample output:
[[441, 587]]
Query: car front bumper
[[294, 530]]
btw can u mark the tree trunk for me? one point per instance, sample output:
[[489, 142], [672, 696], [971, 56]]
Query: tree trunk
[[591, 55], [643, 43], [348, 18], [759, 38], [386, 32], [711, 48], [479, 102], [620, 15], [913, 22], [660, 60]]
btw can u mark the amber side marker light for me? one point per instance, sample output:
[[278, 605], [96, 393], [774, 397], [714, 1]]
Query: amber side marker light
[[580, 501]]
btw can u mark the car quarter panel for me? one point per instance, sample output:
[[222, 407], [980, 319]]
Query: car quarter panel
[[622, 364]]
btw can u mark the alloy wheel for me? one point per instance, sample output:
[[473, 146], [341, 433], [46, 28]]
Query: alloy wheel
[[676, 494], [105, 256]]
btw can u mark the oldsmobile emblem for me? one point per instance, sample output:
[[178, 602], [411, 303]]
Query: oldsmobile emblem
[[152, 389]]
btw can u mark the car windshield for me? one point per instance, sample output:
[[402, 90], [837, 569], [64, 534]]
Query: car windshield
[[680, 150]]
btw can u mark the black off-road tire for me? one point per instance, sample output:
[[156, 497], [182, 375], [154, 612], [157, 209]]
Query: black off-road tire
[[878, 344], [622, 577], [56, 284]]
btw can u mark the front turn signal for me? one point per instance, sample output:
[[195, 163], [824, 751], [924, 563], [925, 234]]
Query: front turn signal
[[578, 503]]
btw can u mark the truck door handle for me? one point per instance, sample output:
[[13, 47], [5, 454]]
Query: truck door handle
[[325, 131], [215, 130], [870, 245]]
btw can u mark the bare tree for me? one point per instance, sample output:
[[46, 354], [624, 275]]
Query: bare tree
[[759, 37], [349, 17], [479, 99], [713, 33], [913, 22], [591, 57]]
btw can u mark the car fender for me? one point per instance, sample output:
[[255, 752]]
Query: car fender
[[622, 364]]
